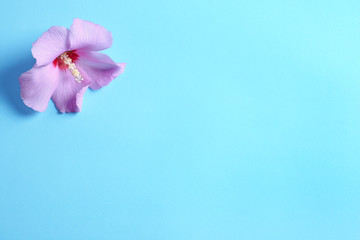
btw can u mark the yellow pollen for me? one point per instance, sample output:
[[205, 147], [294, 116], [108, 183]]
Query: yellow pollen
[[74, 71]]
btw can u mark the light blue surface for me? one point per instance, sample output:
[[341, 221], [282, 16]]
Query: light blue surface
[[233, 120]]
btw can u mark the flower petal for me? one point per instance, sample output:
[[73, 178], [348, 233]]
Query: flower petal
[[69, 94], [50, 45], [85, 35], [37, 85], [99, 68]]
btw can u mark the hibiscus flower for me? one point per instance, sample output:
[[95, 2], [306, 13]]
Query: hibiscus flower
[[67, 63]]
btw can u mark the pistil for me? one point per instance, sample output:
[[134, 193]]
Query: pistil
[[67, 60]]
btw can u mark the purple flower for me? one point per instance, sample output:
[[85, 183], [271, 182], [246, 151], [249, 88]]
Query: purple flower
[[67, 63]]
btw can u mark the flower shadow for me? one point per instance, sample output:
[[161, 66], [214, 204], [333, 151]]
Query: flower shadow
[[10, 87]]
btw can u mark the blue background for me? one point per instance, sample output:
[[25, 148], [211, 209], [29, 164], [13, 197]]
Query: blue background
[[233, 120]]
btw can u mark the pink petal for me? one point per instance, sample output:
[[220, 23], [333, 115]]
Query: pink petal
[[69, 94], [99, 68], [50, 45], [85, 35], [37, 85]]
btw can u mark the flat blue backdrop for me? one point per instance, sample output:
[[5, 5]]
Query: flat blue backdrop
[[233, 120]]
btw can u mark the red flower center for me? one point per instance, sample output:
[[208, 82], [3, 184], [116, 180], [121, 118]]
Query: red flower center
[[67, 61], [59, 62]]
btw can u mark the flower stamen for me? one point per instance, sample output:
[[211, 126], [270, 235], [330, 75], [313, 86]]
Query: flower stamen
[[73, 69]]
